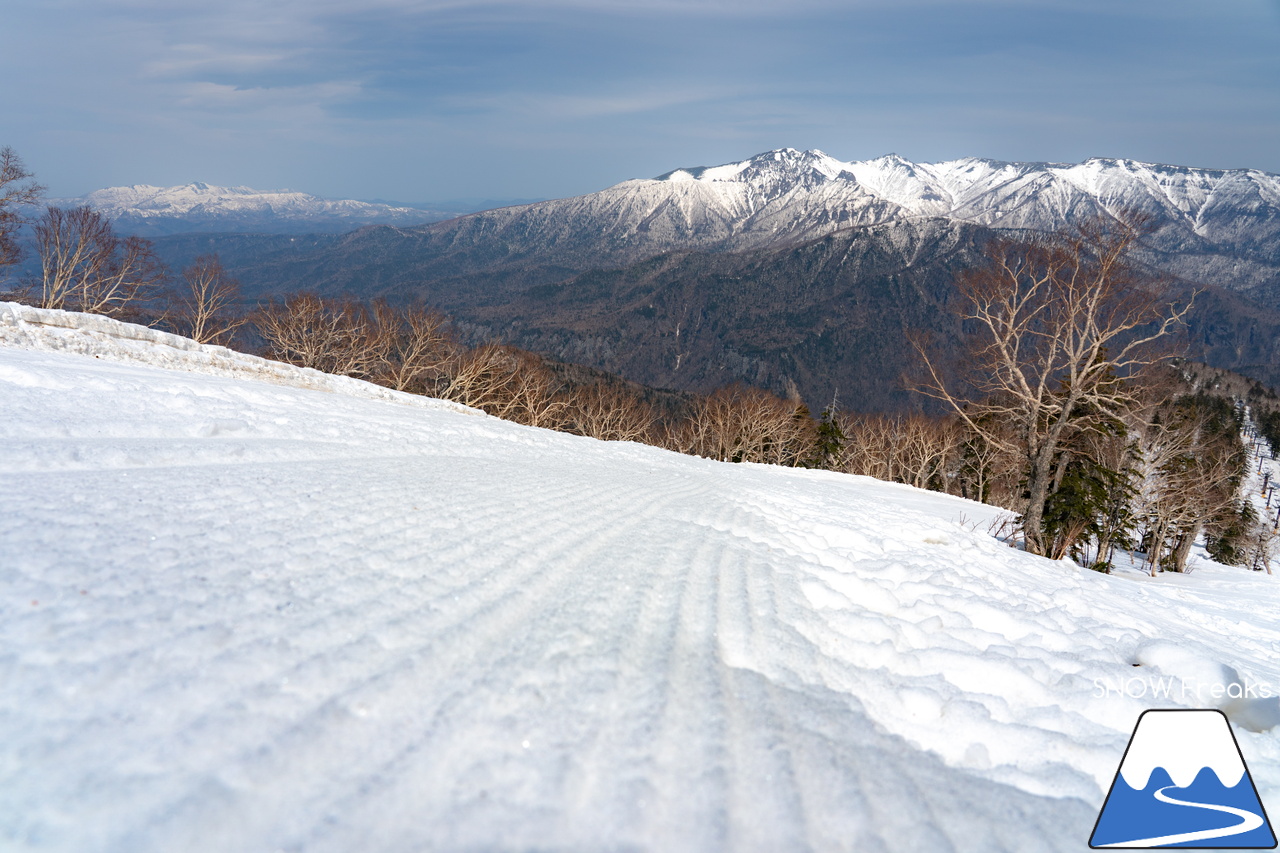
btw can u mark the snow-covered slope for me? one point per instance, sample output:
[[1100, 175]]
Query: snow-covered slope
[[301, 614], [200, 207]]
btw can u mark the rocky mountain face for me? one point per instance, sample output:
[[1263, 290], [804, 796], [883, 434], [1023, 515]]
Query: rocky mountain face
[[791, 269]]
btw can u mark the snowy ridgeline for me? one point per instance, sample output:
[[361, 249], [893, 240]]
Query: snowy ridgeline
[[250, 607], [199, 207]]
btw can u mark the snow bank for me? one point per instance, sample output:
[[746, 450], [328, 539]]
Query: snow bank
[[31, 328], [248, 607]]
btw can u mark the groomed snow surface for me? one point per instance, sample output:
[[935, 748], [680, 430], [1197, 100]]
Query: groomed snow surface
[[245, 607]]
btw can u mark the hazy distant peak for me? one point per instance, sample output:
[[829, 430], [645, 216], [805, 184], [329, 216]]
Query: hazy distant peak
[[202, 207]]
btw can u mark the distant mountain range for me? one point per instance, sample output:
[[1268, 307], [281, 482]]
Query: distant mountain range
[[198, 207], [754, 259]]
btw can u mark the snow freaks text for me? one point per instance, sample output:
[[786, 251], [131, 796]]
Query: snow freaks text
[[1181, 689]]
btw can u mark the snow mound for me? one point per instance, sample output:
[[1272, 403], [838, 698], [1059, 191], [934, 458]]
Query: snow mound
[[250, 607]]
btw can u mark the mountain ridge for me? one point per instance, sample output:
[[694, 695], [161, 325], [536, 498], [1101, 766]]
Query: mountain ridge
[[1220, 226], [197, 206], [569, 277]]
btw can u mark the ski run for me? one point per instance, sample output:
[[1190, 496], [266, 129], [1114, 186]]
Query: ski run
[[248, 607]]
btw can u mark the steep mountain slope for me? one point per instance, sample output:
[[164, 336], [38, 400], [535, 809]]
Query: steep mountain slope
[[828, 319], [291, 614], [1217, 227], [790, 268], [198, 207]]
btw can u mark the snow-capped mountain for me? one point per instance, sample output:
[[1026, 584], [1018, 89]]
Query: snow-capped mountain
[[788, 266], [1220, 227], [200, 207], [1215, 226], [1223, 225], [1007, 195]]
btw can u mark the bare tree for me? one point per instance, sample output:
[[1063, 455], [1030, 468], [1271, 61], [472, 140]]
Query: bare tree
[[989, 471], [204, 306], [1056, 325], [417, 348], [86, 267], [333, 336], [911, 449], [18, 189], [1186, 478], [484, 378], [1262, 541], [926, 449], [611, 414], [744, 424], [865, 450], [508, 383]]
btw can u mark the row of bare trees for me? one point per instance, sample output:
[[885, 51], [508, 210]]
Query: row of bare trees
[[413, 349], [1156, 475]]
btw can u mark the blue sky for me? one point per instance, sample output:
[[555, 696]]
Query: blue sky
[[426, 100]]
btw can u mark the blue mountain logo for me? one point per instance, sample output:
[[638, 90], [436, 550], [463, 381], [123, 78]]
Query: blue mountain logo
[[1183, 783]]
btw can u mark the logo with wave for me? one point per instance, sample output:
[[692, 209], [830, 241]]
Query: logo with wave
[[1183, 783]]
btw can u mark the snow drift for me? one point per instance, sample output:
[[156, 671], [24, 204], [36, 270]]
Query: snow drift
[[249, 607]]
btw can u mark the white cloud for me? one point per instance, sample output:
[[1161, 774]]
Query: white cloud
[[575, 106], [246, 99], [195, 59]]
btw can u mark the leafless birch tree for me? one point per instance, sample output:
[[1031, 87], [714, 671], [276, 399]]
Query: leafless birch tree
[[611, 414], [1056, 324], [86, 267], [203, 307], [18, 190], [333, 336], [1186, 479]]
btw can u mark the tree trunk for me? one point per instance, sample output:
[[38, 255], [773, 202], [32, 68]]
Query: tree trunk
[[1038, 479], [1183, 551], [1156, 549]]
